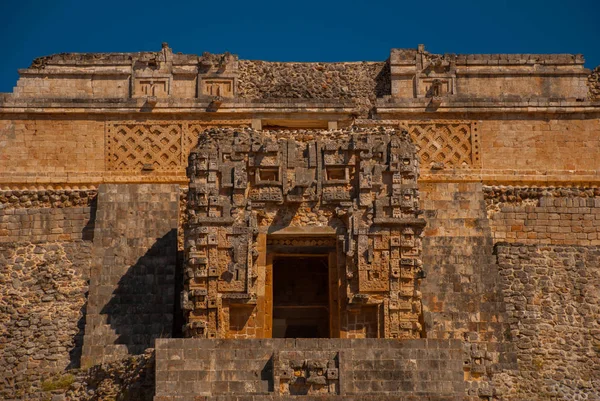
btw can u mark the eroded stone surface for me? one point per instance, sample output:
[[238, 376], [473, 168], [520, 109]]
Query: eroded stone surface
[[360, 184], [43, 299], [359, 82], [594, 83], [507, 148], [551, 295]]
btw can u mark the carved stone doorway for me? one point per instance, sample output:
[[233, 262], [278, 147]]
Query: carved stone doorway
[[304, 291], [351, 195], [301, 296]]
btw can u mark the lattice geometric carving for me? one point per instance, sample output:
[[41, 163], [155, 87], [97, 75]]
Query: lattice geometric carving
[[132, 147], [447, 143], [453, 144], [157, 145]]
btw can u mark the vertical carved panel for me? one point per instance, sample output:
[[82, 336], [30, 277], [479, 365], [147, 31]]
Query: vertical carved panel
[[363, 183], [157, 87], [307, 372], [218, 87]]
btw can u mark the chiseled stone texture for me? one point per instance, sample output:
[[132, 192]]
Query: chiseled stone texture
[[571, 218], [26, 199], [359, 369], [127, 379], [132, 286], [498, 196], [46, 224], [47, 215], [594, 83], [461, 297], [552, 302], [49, 146], [43, 289], [360, 81], [522, 315]]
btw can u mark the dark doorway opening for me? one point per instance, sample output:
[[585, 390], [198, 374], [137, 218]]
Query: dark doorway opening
[[301, 296]]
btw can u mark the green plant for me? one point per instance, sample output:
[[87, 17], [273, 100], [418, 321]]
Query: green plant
[[59, 382], [538, 364]]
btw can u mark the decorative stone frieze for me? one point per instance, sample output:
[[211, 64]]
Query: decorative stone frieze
[[161, 146], [360, 183], [289, 233], [53, 198], [441, 144]]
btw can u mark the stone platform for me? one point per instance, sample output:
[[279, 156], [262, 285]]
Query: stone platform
[[323, 369]]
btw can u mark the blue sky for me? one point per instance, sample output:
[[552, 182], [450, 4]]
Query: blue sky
[[305, 30]]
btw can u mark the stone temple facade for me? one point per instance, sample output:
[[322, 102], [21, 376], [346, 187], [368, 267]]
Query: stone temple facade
[[180, 227]]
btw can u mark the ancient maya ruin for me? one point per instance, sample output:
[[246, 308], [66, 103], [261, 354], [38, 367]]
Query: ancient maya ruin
[[177, 227]]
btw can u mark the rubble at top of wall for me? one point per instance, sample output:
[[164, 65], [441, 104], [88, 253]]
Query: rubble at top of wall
[[409, 55], [594, 84], [222, 81], [107, 59], [361, 81]]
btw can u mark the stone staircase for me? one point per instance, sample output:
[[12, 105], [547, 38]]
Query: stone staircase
[[134, 256], [316, 369], [461, 293]]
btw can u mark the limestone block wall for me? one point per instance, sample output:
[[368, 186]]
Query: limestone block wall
[[44, 271], [46, 224], [134, 257], [461, 297], [557, 216], [82, 151], [525, 82], [526, 308], [184, 86], [546, 248], [46, 215], [78, 84], [314, 369], [46, 148], [552, 304], [510, 272], [43, 288], [45, 266], [412, 74], [415, 72], [567, 147]]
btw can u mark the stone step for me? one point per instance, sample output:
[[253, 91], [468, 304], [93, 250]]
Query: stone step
[[379, 397], [226, 368], [305, 344]]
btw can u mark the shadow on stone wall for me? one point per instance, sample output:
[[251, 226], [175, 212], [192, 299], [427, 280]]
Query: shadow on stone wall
[[383, 82], [87, 233], [178, 318], [76, 351], [141, 307]]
